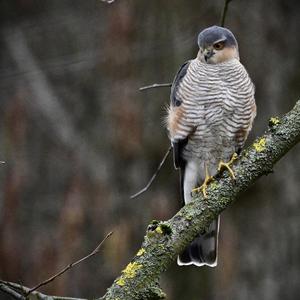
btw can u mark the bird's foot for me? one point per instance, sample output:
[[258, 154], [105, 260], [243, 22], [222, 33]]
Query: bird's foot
[[223, 165], [204, 186]]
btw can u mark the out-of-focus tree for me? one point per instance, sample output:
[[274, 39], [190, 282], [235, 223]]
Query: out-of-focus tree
[[78, 138]]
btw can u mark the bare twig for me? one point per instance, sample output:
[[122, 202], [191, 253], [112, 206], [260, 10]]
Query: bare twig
[[153, 176], [68, 267], [155, 85], [108, 1], [224, 12]]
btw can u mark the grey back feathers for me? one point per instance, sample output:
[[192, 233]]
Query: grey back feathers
[[179, 76]]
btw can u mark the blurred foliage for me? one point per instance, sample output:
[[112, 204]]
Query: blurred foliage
[[78, 139]]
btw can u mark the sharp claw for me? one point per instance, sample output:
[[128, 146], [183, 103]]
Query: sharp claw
[[204, 186], [202, 189], [223, 165], [226, 166]]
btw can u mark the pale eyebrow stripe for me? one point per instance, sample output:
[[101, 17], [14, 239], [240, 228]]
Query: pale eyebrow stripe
[[220, 40]]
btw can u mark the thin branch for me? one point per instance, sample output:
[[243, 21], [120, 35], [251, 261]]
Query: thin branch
[[224, 12], [18, 291], [153, 176], [108, 1], [155, 85], [6, 288], [68, 267], [169, 84]]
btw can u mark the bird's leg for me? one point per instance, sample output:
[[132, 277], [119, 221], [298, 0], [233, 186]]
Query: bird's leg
[[223, 165], [204, 185]]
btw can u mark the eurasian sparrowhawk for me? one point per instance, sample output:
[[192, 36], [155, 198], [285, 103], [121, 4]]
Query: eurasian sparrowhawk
[[211, 113]]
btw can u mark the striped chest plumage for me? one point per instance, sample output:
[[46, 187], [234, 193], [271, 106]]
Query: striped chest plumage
[[217, 109], [210, 115]]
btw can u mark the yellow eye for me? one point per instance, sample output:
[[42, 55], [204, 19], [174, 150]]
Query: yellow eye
[[219, 45]]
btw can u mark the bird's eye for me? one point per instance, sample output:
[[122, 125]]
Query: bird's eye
[[219, 45]]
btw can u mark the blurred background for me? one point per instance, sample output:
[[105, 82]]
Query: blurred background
[[79, 138]]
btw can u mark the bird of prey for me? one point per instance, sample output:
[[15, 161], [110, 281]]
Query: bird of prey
[[210, 115]]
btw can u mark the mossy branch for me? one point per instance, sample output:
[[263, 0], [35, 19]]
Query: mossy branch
[[165, 240]]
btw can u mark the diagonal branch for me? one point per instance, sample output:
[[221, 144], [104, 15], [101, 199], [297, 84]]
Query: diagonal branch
[[143, 190], [68, 267], [155, 85], [18, 291], [9, 290], [21, 292], [165, 240]]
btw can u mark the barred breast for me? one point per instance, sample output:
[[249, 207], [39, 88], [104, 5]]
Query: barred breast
[[216, 110]]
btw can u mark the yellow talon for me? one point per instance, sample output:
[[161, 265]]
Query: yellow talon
[[223, 165], [204, 186]]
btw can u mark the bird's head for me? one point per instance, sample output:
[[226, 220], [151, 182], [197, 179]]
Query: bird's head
[[217, 45]]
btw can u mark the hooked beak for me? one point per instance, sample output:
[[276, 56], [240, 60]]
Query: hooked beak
[[208, 53]]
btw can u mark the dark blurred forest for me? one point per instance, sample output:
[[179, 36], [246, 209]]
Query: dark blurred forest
[[79, 138]]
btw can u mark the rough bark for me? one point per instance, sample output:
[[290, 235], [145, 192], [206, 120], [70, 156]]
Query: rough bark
[[165, 240]]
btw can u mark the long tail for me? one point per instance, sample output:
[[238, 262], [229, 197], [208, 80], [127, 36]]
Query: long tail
[[204, 248]]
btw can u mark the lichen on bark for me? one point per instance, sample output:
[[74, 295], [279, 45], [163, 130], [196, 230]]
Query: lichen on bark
[[161, 247], [165, 240]]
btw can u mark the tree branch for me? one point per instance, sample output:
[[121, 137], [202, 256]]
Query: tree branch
[[224, 12], [18, 291], [9, 290], [155, 85], [165, 240], [143, 190], [108, 1], [68, 267]]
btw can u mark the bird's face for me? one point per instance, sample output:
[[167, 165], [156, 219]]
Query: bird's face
[[217, 45]]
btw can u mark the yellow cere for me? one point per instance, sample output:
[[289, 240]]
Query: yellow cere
[[260, 145], [141, 252]]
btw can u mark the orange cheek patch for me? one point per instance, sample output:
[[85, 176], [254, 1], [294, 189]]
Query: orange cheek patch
[[254, 109], [226, 54], [173, 120]]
